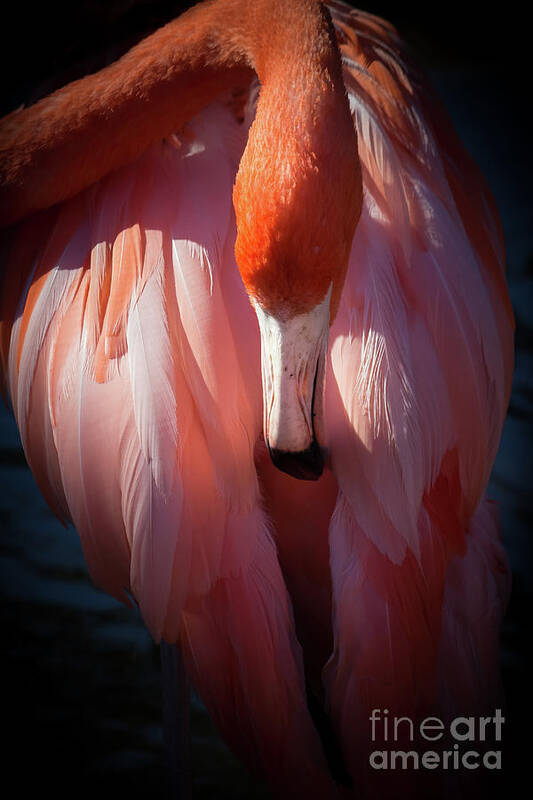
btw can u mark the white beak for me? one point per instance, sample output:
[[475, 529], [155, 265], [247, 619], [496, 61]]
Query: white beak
[[293, 358]]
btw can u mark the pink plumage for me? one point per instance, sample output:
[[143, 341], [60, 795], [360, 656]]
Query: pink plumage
[[131, 354]]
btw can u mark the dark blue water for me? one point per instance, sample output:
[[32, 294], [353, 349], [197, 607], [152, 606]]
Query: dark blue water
[[81, 698]]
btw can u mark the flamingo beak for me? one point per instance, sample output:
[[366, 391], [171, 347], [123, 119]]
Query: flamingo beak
[[293, 359]]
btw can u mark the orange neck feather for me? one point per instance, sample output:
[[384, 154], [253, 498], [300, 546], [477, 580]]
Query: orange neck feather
[[298, 192], [299, 173]]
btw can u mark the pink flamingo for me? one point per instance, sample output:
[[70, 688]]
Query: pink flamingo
[[171, 356]]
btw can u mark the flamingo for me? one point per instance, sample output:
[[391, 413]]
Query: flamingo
[[257, 339]]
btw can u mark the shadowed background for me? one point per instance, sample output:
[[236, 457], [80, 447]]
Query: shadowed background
[[81, 699]]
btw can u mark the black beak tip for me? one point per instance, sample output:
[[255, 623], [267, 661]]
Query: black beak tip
[[306, 465]]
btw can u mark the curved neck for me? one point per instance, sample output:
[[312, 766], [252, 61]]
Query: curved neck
[[51, 151]]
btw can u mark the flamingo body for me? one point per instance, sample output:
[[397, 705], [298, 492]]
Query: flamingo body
[[132, 357]]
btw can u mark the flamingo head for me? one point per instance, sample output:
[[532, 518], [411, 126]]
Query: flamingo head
[[297, 200]]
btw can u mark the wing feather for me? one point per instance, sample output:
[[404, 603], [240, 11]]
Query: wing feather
[[420, 373]]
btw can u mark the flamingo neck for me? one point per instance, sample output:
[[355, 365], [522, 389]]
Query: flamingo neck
[[51, 151], [298, 192]]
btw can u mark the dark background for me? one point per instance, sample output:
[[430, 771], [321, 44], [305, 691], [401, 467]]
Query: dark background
[[81, 685], [48, 44]]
